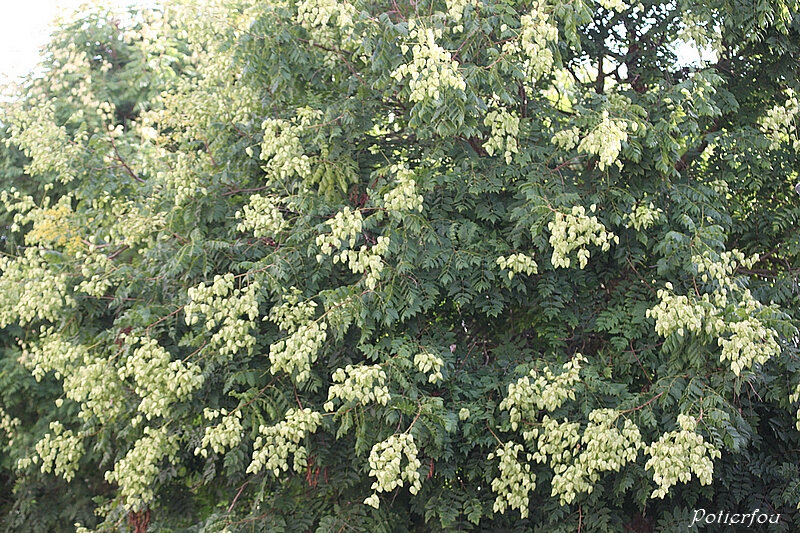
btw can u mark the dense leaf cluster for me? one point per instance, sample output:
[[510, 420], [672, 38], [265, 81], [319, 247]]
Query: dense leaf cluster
[[491, 265]]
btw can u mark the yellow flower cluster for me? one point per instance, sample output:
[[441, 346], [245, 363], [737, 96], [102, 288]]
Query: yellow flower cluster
[[225, 435], [385, 463], [223, 305], [605, 448], [605, 140], [262, 216], [404, 196], [515, 482], [428, 362], [60, 451], [282, 150], [505, 129], [360, 383], [52, 226], [516, 263], [274, 444], [574, 231], [295, 353], [546, 392], [159, 381], [643, 216], [432, 69], [782, 123], [678, 454], [136, 473], [536, 33], [292, 313], [30, 290]]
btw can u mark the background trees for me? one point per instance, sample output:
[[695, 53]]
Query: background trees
[[403, 266]]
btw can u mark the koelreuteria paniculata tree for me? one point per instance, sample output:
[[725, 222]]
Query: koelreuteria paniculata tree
[[309, 265]]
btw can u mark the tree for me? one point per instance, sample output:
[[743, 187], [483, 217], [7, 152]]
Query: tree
[[406, 266]]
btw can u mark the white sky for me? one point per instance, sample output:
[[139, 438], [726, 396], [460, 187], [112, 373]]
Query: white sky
[[24, 28]]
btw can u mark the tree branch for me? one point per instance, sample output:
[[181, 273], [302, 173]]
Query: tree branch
[[123, 163]]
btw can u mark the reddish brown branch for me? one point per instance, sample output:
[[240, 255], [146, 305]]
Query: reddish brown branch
[[237, 495], [139, 520]]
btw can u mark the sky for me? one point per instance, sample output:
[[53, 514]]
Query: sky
[[24, 28]]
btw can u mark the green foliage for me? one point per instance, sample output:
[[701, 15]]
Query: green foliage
[[306, 265]]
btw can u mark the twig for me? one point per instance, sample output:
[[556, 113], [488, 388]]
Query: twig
[[419, 412], [645, 404], [628, 259], [119, 251], [296, 397], [163, 318], [397, 10], [237, 495], [633, 351], [205, 343], [210, 155], [494, 434], [123, 163], [259, 393]]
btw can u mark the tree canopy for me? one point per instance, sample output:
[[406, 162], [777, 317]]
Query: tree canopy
[[407, 265]]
